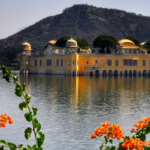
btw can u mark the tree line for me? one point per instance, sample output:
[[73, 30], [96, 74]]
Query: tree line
[[104, 43]]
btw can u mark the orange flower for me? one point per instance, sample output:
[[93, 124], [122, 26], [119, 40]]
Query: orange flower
[[93, 136], [109, 130], [3, 120], [141, 124], [133, 144], [132, 130], [148, 143]]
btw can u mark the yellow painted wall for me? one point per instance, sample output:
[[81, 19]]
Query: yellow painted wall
[[80, 63], [91, 58]]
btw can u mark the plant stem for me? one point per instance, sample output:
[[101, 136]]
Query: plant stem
[[32, 120]]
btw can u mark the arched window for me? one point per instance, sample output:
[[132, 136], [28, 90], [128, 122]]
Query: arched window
[[130, 51], [134, 51]]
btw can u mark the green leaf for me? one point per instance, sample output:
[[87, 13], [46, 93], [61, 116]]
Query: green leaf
[[106, 139], [28, 132], [113, 148], [37, 125], [142, 137], [35, 147], [146, 148], [3, 142], [12, 146], [18, 90], [23, 106], [20, 147], [34, 110], [40, 140], [23, 86], [111, 141], [107, 148], [120, 147], [28, 116], [147, 129], [29, 147], [1, 147], [27, 98], [15, 77], [126, 138]]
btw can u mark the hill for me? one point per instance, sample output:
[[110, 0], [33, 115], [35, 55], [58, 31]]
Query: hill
[[78, 21]]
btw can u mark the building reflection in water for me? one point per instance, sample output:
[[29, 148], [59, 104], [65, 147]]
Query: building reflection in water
[[82, 91]]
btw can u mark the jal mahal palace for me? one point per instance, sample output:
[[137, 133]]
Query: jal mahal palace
[[125, 59]]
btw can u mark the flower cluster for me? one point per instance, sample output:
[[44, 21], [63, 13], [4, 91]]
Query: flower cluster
[[3, 120], [109, 130], [141, 124], [133, 144]]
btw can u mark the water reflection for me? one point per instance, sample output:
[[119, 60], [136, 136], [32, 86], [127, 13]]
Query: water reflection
[[71, 107]]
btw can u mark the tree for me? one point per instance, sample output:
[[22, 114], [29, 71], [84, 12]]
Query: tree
[[82, 43], [133, 39], [61, 42], [78, 51], [147, 46], [105, 43]]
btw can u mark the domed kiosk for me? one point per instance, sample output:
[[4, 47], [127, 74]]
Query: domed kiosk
[[26, 48], [52, 42], [127, 47], [51, 48], [71, 45], [25, 57]]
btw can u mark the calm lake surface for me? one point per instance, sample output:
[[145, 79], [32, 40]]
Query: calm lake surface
[[71, 108]]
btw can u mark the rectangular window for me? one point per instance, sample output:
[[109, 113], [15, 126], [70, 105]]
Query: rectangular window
[[109, 63], [61, 62], [134, 62], [35, 62], [57, 62], [96, 61], [68, 63], [74, 62], [144, 63], [87, 62], [130, 62], [40, 62], [116, 62], [48, 62], [125, 62]]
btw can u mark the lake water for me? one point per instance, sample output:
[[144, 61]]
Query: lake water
[[70, 108]]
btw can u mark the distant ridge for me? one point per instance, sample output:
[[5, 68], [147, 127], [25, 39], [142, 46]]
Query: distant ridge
[[79, 21]]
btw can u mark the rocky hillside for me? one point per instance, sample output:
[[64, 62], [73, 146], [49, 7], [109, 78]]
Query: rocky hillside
[[78, 21]]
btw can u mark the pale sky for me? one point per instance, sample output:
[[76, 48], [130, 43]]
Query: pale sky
[[16, 15]]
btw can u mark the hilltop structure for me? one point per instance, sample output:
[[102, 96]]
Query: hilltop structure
[[124, 59]]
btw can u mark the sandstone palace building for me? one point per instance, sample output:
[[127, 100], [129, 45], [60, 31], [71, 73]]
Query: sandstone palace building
[[124, 60]]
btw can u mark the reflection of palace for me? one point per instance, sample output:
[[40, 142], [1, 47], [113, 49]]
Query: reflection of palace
[[125, 59]]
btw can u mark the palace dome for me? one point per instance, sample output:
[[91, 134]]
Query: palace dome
[[125, 41], [26, 47], [142, 43], [52, 42], [71, 43]]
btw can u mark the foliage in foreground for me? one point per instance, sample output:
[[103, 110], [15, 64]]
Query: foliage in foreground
[[109, 132], [29, 116]]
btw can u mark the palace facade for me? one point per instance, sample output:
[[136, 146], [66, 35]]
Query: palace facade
[[125, 59]]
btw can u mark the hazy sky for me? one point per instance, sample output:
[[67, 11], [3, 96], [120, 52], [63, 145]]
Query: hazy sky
[[16, 15]]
